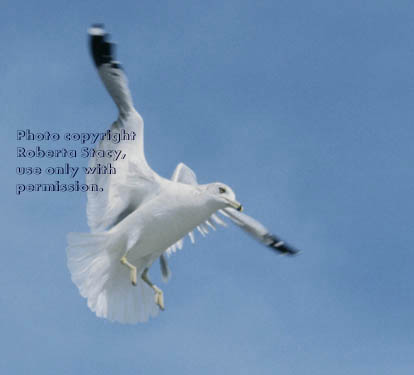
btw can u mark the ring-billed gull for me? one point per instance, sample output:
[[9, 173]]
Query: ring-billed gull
[[140, 216]]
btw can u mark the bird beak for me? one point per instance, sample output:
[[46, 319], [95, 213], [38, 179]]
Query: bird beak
[[236, 205]]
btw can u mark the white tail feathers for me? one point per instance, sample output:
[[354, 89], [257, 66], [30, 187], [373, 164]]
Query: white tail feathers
[[94, 263]]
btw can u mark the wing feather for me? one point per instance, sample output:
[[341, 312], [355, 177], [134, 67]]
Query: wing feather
[[258, 231], [133, 180]]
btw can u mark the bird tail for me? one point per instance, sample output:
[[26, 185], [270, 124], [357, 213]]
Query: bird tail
[[94, 264]]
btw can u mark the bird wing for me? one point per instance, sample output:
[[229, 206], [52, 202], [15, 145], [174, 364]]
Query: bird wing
[[133, 181], [258, 231], [186, 175]]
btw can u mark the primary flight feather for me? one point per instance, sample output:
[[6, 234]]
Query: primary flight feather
[[140, 216]]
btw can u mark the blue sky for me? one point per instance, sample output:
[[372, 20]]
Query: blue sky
[[305, 108]]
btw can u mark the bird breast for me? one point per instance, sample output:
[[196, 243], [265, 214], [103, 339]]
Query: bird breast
[[167, 218]]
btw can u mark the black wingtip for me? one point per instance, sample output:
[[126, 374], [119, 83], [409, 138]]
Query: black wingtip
[[102, 51], [116, 65], [280, 246]]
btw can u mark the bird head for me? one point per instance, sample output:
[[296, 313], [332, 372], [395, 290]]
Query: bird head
[[223, 194]]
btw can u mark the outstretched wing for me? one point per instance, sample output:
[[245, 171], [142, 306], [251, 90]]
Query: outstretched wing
[[123, 175], [110, 70], [251, 226], [258, 231]]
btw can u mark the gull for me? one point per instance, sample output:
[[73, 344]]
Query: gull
[[139, 216]]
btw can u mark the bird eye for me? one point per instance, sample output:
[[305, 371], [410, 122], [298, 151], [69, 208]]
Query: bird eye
[[222, 190]]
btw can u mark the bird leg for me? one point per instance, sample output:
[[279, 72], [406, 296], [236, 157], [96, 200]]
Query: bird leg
[[159, 296], [132, 268], [165, 271]]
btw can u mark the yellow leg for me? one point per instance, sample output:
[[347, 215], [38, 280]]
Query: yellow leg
[[132, 268], [159, 295]]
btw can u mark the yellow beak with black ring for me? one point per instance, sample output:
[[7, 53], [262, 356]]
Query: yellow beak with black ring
[[236, 205]]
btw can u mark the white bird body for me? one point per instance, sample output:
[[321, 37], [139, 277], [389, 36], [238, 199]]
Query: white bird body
[[143, 236], [140, 215], [174, 200]]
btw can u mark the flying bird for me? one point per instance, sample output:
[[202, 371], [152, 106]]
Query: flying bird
[[139, 216]]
